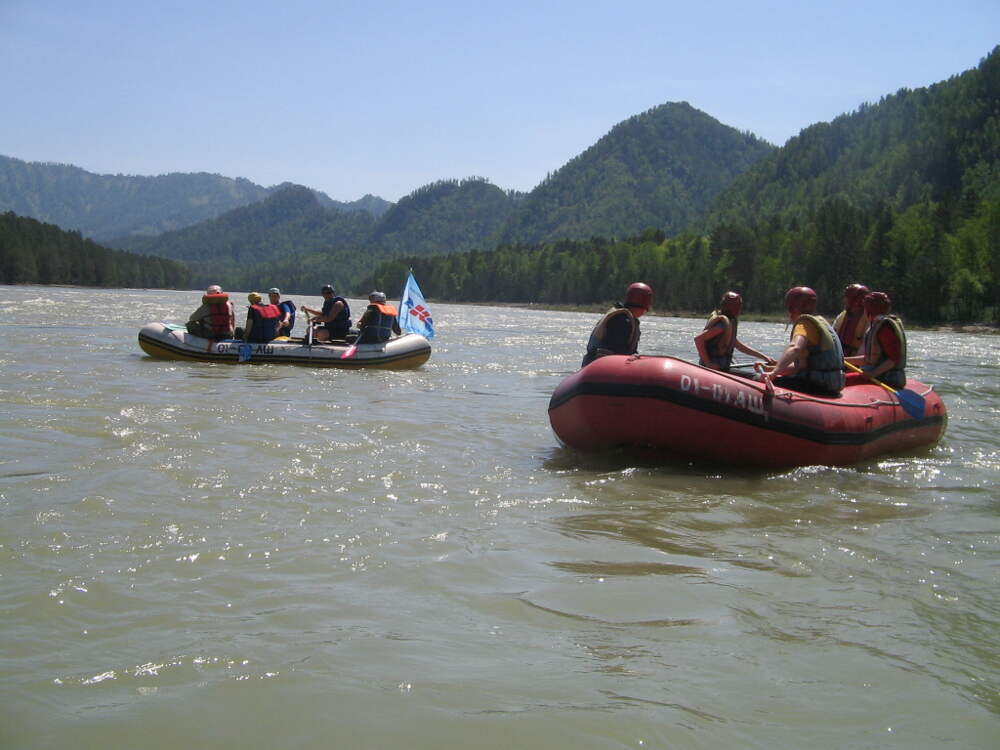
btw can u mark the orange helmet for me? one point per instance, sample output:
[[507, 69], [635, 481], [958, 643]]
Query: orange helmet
[[800, 299], [639, 295], [731, 304], [877, 303]]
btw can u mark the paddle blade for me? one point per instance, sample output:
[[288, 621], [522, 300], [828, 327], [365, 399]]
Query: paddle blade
[[912, 403], [350, 352]]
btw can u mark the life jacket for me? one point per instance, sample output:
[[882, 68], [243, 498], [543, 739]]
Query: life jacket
[[378, 327], [216, 323], [340, 325], [874, 356], [597, 346], [825, 363], [850, 328], [265, 322], [720, 348]]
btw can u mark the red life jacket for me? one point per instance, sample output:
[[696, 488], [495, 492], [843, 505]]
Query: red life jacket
[[265, 322], [218, 315]]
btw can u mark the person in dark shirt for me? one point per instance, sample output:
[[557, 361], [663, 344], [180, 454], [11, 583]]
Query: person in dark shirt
[[334, 319], [618, 331]]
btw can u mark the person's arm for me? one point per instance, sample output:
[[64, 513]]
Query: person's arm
[[334, 312], [753, 352], [791, 359], [248, 326], [395, 327]]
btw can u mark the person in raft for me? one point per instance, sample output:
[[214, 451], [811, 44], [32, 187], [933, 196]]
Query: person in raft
[[813, 361], [215, 318], [379, 322], [287, 308], [334, 319], [618, 331], [884, 351], [716, 343], [851, 323], [262, 320]]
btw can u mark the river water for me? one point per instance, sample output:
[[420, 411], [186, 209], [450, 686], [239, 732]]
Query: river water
[[264, 556]]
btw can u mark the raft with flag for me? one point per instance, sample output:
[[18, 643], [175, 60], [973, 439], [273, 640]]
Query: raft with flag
[[669, 406], [168, 341], [410, 350]]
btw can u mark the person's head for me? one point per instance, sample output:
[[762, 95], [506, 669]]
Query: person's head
[[214, 289], [854, 295], [254, 298], [274, 294], [377, 297], [799, 300], [877, 303], [638, 298], [327, 291], [731, 304]]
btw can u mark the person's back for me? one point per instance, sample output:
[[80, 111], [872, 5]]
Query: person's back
[[618, 331], [214, 319], [262, 320], [379, 321], [813, 361]]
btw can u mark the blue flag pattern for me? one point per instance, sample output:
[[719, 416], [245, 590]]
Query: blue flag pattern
[[416, 316]]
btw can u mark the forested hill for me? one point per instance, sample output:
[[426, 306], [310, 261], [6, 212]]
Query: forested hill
[[290, 240], [903, 195], [940, 143], [660, 169], [35, 253], [109, 207]]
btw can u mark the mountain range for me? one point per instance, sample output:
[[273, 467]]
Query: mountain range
[[905, 188], [662, 168], [108, 207]]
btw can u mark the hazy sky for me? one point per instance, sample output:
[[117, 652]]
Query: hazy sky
[[384, 97]]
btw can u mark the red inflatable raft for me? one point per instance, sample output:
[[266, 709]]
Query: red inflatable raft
[[679, 408]]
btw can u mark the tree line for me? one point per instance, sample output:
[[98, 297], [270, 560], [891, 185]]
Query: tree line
[[935, 265], [35, 253]]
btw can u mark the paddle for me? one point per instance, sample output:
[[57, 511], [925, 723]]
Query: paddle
[[353, 348], [912, 403]]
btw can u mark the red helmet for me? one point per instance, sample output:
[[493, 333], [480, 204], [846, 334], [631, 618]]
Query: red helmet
[[731, 304], [800, 299], [855, 293], [877, 303], [639, 295]]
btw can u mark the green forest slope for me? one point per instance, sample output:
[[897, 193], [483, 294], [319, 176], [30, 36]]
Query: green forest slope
[[33, 252]]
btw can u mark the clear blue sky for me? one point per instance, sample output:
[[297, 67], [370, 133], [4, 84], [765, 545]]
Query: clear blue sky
[[384, 97]]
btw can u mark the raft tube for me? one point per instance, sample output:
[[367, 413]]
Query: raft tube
[[167, 341], [678, 408]]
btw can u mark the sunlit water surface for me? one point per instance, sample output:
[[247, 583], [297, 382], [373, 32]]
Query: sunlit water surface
[[197, 555]]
